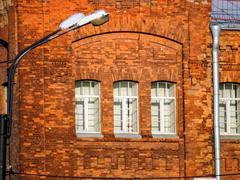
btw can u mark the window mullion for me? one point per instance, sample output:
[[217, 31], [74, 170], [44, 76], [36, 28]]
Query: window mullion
[[85, 114], [166, 90], [90, 88], [228, 116], [129, 115], [81, 88], [159, 116], [162, 115], [120, 89], [124, 123]]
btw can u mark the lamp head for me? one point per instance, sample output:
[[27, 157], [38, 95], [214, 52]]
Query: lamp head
[[102, 18], [97, 18], [99, 21], [71, 21]]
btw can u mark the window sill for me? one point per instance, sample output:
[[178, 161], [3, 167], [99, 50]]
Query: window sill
[[89, 135], [155, 135], [231, 137], [127, 135]]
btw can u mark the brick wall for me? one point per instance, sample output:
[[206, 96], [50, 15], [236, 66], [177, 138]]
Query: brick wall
[[144, 41], [2, 80], [229, 72], [3, 57]]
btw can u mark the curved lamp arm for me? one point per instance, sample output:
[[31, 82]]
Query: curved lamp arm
[[12, 70], [78, 20]]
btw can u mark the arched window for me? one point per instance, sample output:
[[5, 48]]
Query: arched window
[[87, 106], [125, 107], [163, 109], [229, 108]]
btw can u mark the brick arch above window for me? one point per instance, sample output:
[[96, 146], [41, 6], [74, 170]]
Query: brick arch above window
[[134, 56], [149, 25], [231, 82], [121, 51], [229, 73], [137, 35]]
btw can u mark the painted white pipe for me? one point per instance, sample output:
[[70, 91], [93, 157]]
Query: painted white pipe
[[216, 29]]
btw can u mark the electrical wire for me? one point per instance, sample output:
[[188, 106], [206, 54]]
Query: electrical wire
[[89, 177]]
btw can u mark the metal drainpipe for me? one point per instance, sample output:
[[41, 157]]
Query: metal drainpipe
[[216, 33]]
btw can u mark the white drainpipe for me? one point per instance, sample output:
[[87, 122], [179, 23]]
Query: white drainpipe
[[216, 33]]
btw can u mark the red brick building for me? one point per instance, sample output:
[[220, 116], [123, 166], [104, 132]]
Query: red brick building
[[129, 99]]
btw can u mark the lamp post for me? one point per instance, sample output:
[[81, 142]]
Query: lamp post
[[78, 20]]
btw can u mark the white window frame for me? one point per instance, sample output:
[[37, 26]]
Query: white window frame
[[227, 101], [85, 98], [161, 121], [127, 132]]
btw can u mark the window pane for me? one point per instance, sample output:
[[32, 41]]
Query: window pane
[[234, 119], [123, 88], [132, 89], [154, 89], [227, 90], [85, 88], [233, 91], [169, 116], [221, 90], [171, 90], [133, 115], [79, 114], [116, 89], [118, 115], [155, 115], [93, 115], [77, 89], [223, 117], [238, 91], [238, 117], [94, 88], [161, 89]]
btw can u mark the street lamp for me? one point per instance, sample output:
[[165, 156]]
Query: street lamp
[[78, 20]]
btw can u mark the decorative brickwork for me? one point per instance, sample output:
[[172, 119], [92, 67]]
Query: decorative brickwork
[[4, 7], [144, 41]]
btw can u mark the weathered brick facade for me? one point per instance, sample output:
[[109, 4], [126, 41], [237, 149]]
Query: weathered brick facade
[[144, 41]]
